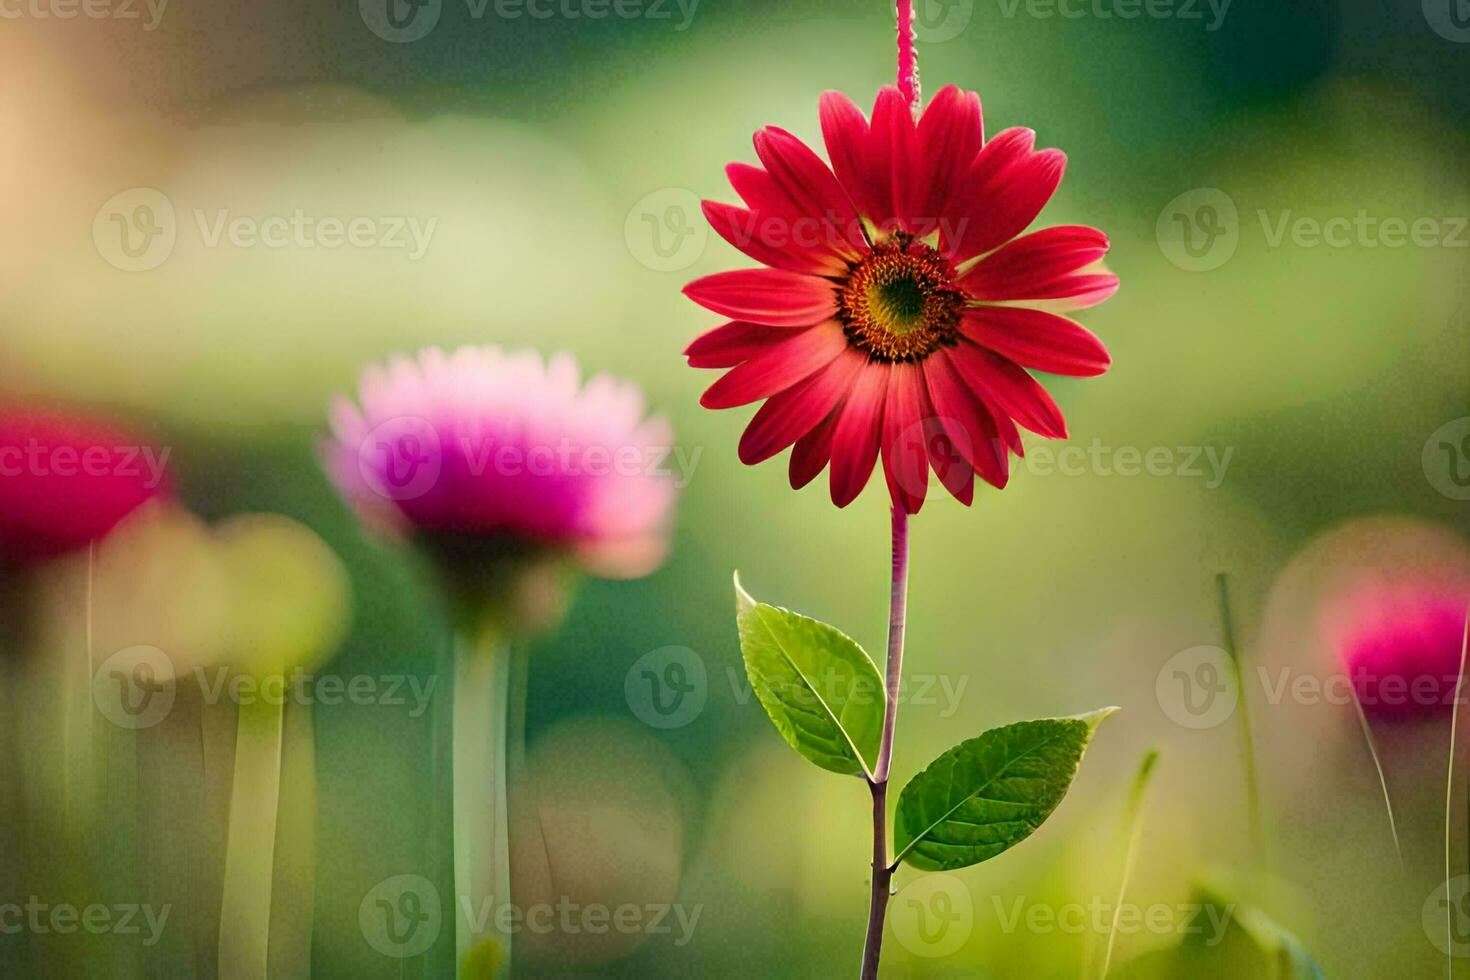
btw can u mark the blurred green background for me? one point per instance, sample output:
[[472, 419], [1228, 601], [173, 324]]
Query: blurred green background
[[560, 161]]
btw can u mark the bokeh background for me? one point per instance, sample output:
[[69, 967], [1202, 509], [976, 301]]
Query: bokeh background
[[554, 165]]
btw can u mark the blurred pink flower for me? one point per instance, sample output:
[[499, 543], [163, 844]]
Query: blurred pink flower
[[490, 445], [67, 479], [1400, 642]]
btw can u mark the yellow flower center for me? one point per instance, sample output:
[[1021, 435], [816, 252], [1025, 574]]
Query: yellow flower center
[[900, 302]]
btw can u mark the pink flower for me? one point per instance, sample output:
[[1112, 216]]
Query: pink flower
[[1400, 643], [899, 313], [67, 479], [485, 444]]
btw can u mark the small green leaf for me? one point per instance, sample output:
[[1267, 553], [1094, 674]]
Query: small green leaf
[[989, 793], [1226, 938], [822, 691]]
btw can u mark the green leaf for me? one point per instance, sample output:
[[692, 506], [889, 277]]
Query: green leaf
[[989, 793], [823, 692], [1226, 938]]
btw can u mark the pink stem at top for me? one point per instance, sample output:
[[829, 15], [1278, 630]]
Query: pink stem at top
[[908, 62]]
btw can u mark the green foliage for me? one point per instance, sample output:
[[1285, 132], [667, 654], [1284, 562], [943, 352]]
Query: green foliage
[[989, 793], [821, 690]]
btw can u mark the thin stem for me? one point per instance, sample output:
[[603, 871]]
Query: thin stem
[[1382, 779], [882, 871], [481, 814], [1247, 740], [1133, 818], [1449, 799], [908, 62], [255, 794]]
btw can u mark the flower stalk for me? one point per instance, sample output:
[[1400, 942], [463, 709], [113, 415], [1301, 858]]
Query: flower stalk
[[255, 794], [882, 869], [482, 685]]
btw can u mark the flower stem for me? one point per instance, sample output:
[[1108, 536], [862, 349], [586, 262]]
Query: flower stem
[[882, 870], [908, 61], [1247, 738], [481, 815], [255, 793]]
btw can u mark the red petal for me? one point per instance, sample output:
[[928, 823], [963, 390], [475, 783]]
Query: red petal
[[812, 451], [845, 131], [855, 443], [772, 296], [1033, 266], [950, 134], [1038, 340], [1078, 292], [950, 465], [891, 158], [905, 450], [968, 423], [774, 241], [778, 368], [788, 415], [807, 182], [1004, 191], [728, 345], [1010, 387]]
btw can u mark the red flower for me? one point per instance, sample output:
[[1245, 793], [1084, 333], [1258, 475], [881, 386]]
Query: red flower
[[900, 312], [66, 480]]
